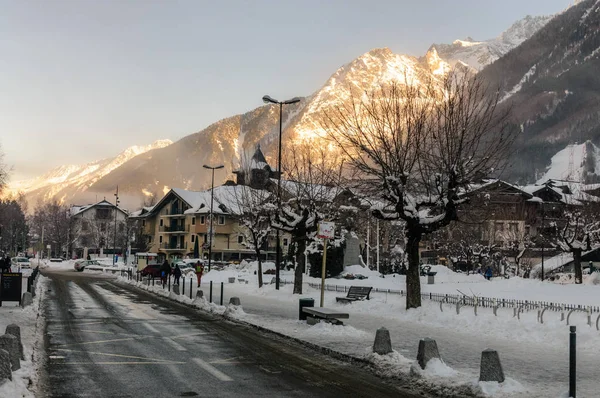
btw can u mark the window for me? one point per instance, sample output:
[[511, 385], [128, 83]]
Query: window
[[205, 238], [102, 214], [143, 223], [85, 225], [202, 219], [193, 237], [161, 222], [221, 220], [102, 227], [285, 241], [160, 239], [121, 227], [193, 221], [240, 239]]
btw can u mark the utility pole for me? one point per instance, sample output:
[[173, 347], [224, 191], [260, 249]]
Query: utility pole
[[115, 237], [377, 245]]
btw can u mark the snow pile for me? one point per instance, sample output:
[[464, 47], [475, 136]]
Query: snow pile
[[325, 330], [32, 328]]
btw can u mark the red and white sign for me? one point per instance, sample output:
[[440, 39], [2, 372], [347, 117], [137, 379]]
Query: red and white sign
[[326, 230]]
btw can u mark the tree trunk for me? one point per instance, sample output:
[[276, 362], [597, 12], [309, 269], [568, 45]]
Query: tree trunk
[[577, 266], [299, 269], [413, 282], [260, 273]]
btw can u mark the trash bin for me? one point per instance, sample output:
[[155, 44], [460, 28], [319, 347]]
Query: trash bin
[[304, 302], [431, 278]]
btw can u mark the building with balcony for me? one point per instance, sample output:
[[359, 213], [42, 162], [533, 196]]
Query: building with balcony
[[179, 224]]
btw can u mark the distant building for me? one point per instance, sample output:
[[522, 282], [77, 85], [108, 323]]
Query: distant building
[[93, 229]]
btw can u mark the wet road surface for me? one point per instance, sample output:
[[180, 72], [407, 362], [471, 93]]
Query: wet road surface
[[105, 339]]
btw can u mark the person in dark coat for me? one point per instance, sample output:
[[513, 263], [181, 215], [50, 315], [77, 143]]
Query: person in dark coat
[[488, 273], [177, 274], [165, 270]]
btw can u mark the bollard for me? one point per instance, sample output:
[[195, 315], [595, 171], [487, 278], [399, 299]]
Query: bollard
[[169, 282], [199, 293], [382, 344], [572, 360], [221, 293], [15, 330], [9, 343], [191, 279], [428, 350], [490, 368], [183, 285], [210, 293], [235, 301], [152, 280], [5, 372]]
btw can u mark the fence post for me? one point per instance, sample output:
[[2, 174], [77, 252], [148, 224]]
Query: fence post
[[572, 361], [221, 293], [210, 294], [191, 281], [169, 282], [183, 286]]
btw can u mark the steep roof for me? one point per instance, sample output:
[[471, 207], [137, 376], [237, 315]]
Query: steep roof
[[76, 209]]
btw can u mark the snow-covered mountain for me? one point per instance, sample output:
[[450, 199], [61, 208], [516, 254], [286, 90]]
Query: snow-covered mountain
[[576, 162], [156, 169], [478, 54], [65, 181]]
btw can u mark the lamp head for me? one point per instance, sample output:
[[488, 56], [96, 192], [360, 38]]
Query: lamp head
[[268, 100]]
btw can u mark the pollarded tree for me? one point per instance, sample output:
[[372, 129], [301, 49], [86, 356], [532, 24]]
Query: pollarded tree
[[311, 193], [416, 144], [580, 233]]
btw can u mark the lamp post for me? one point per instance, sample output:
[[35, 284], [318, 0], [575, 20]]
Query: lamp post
[[543, 219], [115, 237], [212, 189], [268, 100]]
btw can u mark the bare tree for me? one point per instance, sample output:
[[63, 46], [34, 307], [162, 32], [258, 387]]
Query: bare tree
[[13, 226], [53, 217], [311, 190], [3, 172], [415, 145], [580, 232], [255, 208]]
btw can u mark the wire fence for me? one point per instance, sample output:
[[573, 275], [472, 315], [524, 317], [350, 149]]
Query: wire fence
[[476, 301]]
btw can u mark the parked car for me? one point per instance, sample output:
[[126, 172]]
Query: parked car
[[18, 263], [151, 270], [80, 265]]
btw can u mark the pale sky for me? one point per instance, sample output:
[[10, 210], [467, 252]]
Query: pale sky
[[82, 80]]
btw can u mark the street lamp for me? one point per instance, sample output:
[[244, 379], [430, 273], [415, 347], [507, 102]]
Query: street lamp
[[212, 188], [268, 100], [115, 237]]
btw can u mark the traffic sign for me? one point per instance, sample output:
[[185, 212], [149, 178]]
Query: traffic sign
[[326, 230]]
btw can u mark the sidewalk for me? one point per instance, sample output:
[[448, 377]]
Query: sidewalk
[[535, 356]]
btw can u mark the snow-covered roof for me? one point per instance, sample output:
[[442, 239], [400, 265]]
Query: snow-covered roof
[[75, 209]]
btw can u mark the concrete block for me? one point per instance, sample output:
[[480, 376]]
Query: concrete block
[[235, 301], [491, 368], [428, 350], [5, 372], [199, 294], [383, 343], [26, 299], [176, 289], [15, 330], [9, 343], [311, 320]]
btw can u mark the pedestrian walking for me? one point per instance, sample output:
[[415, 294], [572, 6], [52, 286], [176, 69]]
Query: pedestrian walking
[[177, 274], [165, 271], [199, 272], [488, 273]]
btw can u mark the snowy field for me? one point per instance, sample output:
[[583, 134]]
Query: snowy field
[[534, 355]]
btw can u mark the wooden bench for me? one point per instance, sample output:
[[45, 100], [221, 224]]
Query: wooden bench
[[355, 293], [330, 315]]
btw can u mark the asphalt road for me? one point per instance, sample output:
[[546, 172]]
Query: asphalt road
[[105, 339]]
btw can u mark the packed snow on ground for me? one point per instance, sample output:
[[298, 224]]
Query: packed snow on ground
[[32, 329], [534, 354]]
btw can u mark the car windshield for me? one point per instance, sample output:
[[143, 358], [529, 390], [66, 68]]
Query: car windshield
[[23, 260]]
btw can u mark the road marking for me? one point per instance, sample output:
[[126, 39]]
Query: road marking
[[95, 342], [174, 344], [212, 370], [150, 328], [124, 363], [183, 336], [114, 355], [230, 361], [56, 357], [113, 333]]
